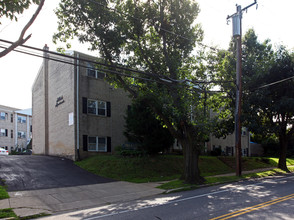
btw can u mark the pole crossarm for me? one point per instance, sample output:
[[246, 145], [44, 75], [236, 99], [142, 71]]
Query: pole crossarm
[[244, 9]]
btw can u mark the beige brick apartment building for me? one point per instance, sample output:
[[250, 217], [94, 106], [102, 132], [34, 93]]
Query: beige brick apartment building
[[15, 127], [76, 113]]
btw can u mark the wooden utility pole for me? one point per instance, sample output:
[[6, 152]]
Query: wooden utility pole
[[237, 33]]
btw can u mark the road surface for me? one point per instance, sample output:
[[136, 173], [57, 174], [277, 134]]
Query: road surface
[[269, 198]]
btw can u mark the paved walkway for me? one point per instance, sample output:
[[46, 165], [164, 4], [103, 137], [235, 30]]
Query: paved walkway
[[26, 203]]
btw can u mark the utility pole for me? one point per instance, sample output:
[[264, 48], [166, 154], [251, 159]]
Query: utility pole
[[237, 34]]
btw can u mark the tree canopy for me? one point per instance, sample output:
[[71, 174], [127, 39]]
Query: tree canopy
[[143, 128], [11, 9], [156, 37], [268, 90]]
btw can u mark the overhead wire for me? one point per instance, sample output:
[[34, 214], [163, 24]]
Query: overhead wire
[[160, 77]]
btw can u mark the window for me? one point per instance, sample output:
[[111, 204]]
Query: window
[[92, 72], [11, 133], [97, 107], [21, 119], [2, 115], [11, 118], [21, 134], [92, 144], [92, 107], [97, 144], [102, 144], [3, 132], [101, 108]]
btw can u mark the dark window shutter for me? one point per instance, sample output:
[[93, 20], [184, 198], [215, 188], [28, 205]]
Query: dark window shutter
[[85, 105], [108, 109], [129, 108], [85, 142], [108, 144], [6, 132]]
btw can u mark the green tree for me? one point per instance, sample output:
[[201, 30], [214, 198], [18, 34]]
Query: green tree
[[267, 108], [144, 128], [146, 35], [11, 9], [273, 102]]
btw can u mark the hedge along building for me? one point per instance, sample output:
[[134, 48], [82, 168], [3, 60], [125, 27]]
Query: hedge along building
[[76, 113]]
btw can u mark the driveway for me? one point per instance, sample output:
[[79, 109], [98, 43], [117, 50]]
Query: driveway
[[30, 172], [42, 184]]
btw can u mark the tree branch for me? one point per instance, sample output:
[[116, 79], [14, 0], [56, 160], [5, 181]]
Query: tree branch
[[21, 40]]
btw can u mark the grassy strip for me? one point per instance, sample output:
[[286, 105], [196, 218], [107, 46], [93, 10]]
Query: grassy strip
[[275, 161], [3, 193], [179, 185], [7, 213]]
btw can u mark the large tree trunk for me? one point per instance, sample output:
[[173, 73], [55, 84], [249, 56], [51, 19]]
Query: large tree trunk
[[283, 153], [191, 163]]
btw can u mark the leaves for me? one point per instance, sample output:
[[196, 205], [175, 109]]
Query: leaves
[[11, 9]]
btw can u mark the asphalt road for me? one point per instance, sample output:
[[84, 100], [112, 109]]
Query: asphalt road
[[270, 198], [30, 172]]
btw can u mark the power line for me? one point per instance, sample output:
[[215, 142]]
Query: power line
[[157, 76], [107, 71], [70, 63], [274, 83]]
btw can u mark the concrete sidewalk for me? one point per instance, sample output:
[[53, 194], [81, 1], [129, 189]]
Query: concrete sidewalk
[[27, 203]]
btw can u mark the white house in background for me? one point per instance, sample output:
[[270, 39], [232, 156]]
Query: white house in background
[[15, 127]]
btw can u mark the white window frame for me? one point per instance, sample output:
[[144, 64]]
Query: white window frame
[[98, 148], [92, 101], [98, 74], [2, 116], [21, 119], [97, 104], [21, 134], [2, 132]]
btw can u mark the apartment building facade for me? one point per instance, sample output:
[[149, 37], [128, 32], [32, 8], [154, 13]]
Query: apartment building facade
[[15, 128], [76, 113]]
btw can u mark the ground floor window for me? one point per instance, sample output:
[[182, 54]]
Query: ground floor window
[[97, 144]]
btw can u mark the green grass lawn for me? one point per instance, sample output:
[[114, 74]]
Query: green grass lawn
[[165, 167], [3, 193], [148, 169]]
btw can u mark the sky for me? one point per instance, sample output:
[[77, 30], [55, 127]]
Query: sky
[[271, 20]]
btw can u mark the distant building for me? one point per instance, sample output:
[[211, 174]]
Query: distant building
[[15, 127], [76, 113], [226, 145]]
